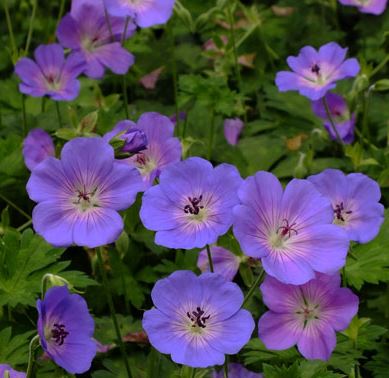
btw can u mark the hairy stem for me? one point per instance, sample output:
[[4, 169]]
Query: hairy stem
[[16, 207], [253, 287], [332, 123], [31, 27], [210, 259], [31, 358]]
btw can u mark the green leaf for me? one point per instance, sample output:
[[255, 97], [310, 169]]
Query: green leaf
[[14, 350], [282, 371]]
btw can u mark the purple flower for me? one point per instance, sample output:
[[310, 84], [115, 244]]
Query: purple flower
[[4, 368], [192, 205], [290, 230], [237, 371], [224, 262], [162, 148], [51, 74], [367, 6], [344, 121], [66, 329], [197, 319], [316, 72], [37, 146], [307, 315], [135, 140], [181, 117], [354, 200], [145, 13], [232, 129], [86, 31], [80, 195]]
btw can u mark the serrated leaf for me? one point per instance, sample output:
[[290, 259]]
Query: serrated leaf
[[14, 350]]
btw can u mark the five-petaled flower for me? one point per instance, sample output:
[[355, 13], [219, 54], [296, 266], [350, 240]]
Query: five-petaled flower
[[376, 7], [66, 329], [307, 315], [11, 373], [291, 230], [197, 319], [316, 72]]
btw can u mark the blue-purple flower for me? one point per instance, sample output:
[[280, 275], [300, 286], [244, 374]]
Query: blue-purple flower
[[80, 195], [291, 230], [4, 368], [306, 315], [224, 262], [162, 150], [197, 319], [340, 114], [376, 7], [316, 72], [51, 74], [355, 202], [236, 371], [66, 329], [192, 205], [232, 129], [135, 140], [85, 30], [37, 146], [145, 13]]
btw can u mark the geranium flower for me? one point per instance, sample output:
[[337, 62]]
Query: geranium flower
[[192, 205], [66, 329], [51, 74], [316, 72], [37, 146], [224, 262], [162, 148], [80, 195], [4, 368], [145, 13], [237, 371], [232, 129], [86, 31], [340, 114], [197, 319], [291, 230], [376, 7], [355, 202], [306, 315]]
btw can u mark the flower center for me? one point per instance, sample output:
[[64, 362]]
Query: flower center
[[84, 199], [286, 229], [58, 333], [198, 318], [90, 43], [52, 82], [283, 233], [340, 214], [315, 69], [308, 312], [144, 163], [194, 205]]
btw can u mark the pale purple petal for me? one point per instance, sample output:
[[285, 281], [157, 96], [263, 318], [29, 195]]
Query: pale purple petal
[[37, 146]]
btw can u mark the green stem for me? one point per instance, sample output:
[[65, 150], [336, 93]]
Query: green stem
[[31, 27], [193, 373], [124, 81], [210, 259], [174, 76], [16, 207], [211, 135], [112, 310], [366, 103], [253, 287], [60, 14], [380, 66], [11, 33], [332, 123], [108, 21], [24, 115], [33, 345], [24, 225], [226, 368], [58, 114]]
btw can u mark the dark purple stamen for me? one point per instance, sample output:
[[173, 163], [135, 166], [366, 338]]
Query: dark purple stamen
[[287, 228], [59, 334], [197, 317], [141, 159], [315, 69], [339, 209], [194, 207]]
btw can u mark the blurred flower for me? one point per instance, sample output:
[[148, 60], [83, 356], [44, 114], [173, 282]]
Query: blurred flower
[[232, 129], [4, 368], [197, 319], [291, 230], [316, 72], [162, 148], [80, 195], [51, 74], [354, 200], [224, 262], [86, 31], [192, 205], [306, 315], [344, 122], [66, 329], [150, 80], [37, 146], [237, 371], [181, 117], [145, 13], [367, 6]]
